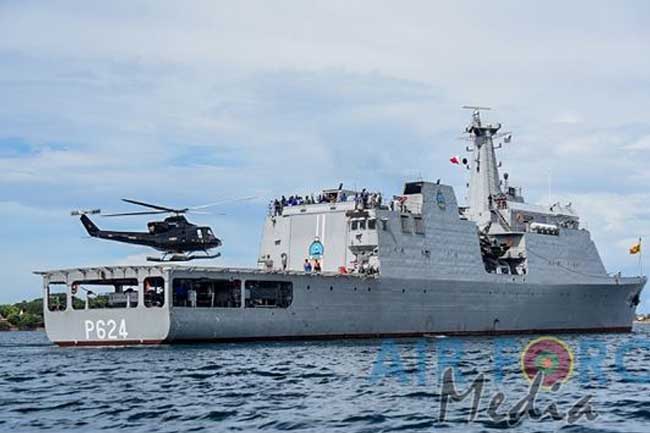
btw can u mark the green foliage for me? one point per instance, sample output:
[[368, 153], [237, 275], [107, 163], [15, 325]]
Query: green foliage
[[8, 310], [78, 304], [22, 315]]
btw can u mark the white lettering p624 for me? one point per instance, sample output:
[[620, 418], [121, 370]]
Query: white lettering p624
[[105, 329]]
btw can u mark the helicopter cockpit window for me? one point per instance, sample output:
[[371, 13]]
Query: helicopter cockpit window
[[199, 233]]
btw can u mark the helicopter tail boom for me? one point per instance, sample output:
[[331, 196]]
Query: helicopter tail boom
[[90, 227]]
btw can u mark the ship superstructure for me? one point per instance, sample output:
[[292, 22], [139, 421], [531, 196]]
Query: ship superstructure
[[346, 263]]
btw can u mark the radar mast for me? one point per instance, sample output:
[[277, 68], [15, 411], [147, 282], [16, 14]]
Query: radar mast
[[484, 171]]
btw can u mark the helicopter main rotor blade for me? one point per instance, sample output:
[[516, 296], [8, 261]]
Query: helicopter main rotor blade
[[218, 203], [154, 206], [135, 213], [202, 212]]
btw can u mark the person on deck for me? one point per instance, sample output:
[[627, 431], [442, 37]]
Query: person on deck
[[307, 266]]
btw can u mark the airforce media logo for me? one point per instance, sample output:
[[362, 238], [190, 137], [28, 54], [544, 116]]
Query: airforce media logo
[[550, 356]]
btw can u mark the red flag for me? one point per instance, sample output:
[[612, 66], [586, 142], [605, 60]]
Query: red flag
[[455, 160]]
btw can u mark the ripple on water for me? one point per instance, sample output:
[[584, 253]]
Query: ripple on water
[[313, 386]]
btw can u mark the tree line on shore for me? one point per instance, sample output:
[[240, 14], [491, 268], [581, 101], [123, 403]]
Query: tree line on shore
[[24, 315]]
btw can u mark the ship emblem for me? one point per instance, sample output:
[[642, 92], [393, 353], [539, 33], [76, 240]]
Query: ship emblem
[[550, 356], [316, 249], [440, 200]]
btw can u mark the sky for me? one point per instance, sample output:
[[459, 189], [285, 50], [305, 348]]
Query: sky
[[185, 103]]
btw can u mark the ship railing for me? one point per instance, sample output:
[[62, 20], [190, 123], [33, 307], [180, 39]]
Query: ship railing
[[362, 200]]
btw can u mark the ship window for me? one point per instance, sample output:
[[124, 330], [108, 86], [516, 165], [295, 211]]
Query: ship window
[[98, 294], [406, 224], [80, 295], [56, 296], [372, 224], [413, 188], [354, 225], [154, 292], [362, 225], [268, 294], [419, 225], [206, 293]]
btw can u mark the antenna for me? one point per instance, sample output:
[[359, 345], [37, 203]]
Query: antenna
[[475, 108], [476, 114]]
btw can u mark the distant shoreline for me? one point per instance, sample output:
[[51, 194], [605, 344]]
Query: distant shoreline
[[22, 330]]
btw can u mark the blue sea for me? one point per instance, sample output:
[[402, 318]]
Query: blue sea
[[331, 386]]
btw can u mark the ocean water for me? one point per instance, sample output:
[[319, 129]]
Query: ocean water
[[344, 386]]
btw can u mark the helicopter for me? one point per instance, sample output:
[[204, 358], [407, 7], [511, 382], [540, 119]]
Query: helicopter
[[175, 236]]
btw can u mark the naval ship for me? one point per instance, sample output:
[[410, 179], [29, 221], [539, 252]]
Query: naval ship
[[352, 264]]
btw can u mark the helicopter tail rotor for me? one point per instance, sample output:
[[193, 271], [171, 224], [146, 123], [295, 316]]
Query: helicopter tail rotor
[[80, 212]]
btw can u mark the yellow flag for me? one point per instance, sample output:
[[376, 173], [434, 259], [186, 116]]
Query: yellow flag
[[636, 248]]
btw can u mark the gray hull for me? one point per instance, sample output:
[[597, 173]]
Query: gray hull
[[370, 308], [336, 306]]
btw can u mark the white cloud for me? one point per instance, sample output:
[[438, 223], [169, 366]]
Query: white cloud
[[640, 145], [569, 117]]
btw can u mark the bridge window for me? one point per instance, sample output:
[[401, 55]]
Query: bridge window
[[354, 225], [96, 294], [56, 296], [206, 293], [372, 224], [268, 294], [154, 292]]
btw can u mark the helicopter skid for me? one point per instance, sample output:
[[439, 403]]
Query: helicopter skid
[[182, 258]]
